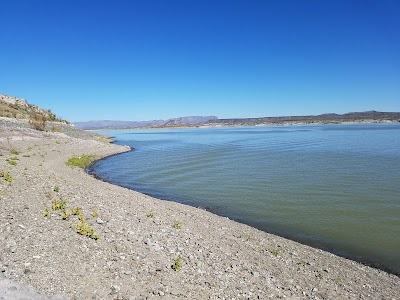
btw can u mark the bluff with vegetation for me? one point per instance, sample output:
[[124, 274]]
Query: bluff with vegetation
[[18, 108]]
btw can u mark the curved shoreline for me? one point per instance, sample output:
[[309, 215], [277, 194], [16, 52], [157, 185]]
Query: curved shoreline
[[141, 237], [369, 262]]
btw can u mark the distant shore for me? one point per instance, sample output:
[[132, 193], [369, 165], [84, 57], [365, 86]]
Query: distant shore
[[283, 123], [148, 248], [213, 121]]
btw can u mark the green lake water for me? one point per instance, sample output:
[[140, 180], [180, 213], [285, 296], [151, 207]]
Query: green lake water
[[336, 187]]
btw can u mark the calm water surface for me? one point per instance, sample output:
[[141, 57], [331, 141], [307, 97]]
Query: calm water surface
[[336, 187]]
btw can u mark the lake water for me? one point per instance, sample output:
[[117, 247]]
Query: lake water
[[336, 187]]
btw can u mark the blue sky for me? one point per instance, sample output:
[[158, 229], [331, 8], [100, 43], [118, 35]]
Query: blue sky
[[156, 59]]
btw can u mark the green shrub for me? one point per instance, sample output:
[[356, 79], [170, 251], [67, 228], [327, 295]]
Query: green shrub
[[45, 212], [177, 265], [15, 152], [6, 176], [80, 161], [61, 204], [55, 129], [95, 213], [177, 224], [273, 251], [76, 211], [84, 229], [11, 161]]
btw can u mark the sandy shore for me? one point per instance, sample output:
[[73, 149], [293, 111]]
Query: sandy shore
[[141, 238]]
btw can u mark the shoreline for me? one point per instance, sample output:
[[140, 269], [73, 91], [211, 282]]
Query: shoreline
[[141, 237], [341, 253], [270, 124]]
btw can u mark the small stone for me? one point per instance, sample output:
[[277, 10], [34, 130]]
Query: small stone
[[115, 289], [255, 274], [130, 235], [99, 221], [155, 247], [11, 244], [314, 290]]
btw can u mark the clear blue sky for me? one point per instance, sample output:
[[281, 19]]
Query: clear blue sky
[[141, 60]]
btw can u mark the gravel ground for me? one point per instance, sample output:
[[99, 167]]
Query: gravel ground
[[144, 241]]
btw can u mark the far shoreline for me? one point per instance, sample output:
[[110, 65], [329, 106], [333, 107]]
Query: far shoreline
[[271, 124]]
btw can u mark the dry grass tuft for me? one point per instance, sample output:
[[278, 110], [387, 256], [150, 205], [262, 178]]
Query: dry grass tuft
[[37, 121]]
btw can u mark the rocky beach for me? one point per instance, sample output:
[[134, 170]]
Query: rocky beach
[[66, 235]]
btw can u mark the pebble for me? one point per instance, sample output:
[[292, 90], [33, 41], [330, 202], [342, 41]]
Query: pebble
[[115, 289], [100, 221]]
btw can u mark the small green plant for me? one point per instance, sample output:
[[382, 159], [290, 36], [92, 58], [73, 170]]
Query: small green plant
[[338, 280], [320, 274], [55, 129], [248, 237], [26, 155], [14, 152], [65, 215], [151, 214], [77, 211], [177, 265], [11, 162], [29, 148], [56, 189], [95, 213], [84, 229], [80, 161], [58, 142], [45, 213], [177, 224], [273, 251], [6, 176], [59, 205]]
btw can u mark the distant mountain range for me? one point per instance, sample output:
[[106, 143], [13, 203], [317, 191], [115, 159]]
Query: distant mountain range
[[18, 108], [331, 118], [195, 121], [182, 121]]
